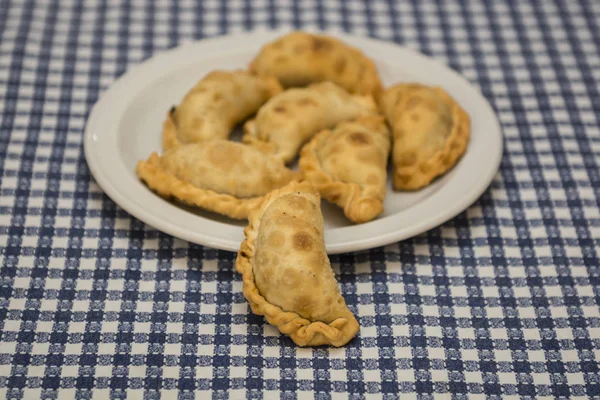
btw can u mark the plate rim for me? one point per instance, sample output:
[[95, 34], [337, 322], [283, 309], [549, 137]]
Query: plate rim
[[263, 35]]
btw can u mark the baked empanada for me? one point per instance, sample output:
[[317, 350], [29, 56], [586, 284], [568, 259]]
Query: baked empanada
[[348, 166], [286, 272], [291, 118], [430, 130], [300, 58], [225, 177], [217, 103]]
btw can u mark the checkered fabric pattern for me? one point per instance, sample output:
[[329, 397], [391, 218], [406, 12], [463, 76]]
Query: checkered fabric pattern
[[501, 301]]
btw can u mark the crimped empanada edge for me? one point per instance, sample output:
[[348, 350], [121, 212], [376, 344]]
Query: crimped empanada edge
[[417, 176], [346, 195], [302, 331], [168, 185]]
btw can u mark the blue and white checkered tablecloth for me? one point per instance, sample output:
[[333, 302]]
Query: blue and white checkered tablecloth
[[501, 301]]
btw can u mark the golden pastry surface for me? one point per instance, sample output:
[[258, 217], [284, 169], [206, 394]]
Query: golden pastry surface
[[225, 177], [291, 118], [430, 131], [287, 275], [301, 58], [218, 102], [348, 165]]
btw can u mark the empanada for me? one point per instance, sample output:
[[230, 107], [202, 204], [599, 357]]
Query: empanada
[[430, 130], [225, 177], [291, 118], [301, 58], [348, 166], [217, 103], [286, 272]]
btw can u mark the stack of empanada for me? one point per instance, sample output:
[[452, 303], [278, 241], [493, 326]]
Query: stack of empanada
[[314, 99]]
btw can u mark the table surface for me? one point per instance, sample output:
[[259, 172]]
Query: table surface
[[502, 300]]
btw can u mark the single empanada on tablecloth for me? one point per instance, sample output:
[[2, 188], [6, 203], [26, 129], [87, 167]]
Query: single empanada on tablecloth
[[430, 130], [218, 102], [348, 165], [301, 58], [291, 118], [225, 177], [287, 276]]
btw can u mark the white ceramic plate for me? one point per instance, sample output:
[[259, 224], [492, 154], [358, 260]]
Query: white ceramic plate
[[125, 126]]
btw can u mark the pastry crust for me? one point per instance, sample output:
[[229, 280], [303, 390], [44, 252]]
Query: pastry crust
[[291, 118], [431, 132], [348, 166], [224, 177], [286, 273], [301, 58], [169, 137], [218, 102]]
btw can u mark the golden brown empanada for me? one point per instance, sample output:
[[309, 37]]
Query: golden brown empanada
[[225, 177], [217, 103], [348, 166], [430, 130], [291, 118], [286, 272], [300, 58]]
